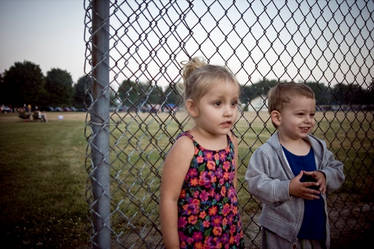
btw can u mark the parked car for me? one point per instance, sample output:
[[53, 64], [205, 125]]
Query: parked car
[[58, 109]]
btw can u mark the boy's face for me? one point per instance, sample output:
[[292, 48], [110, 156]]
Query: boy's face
[[296, 120]]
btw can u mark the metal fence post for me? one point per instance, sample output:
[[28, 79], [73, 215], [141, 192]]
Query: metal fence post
[[99, 113]]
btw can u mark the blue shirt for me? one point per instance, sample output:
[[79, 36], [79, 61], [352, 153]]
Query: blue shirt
[[313, 226]]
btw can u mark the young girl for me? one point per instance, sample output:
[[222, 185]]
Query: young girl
[[199, 205]]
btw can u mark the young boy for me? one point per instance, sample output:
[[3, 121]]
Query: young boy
[[291, 173]]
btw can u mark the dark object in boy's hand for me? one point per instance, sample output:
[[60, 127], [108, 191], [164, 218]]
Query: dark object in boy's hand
[[308, 178]]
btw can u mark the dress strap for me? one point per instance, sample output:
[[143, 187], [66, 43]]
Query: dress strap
[[185, 133]]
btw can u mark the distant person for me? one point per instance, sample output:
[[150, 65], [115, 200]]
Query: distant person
[[291, 173], [37, 114], [199, 204]]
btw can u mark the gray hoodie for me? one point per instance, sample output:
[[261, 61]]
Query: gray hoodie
[[269, 175]]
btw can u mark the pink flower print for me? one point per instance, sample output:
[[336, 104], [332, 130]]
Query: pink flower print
[[182, 222], [226, 176], [192, 219], [221, 181], [195, 204], [212, 243], [231, 240], [222, 156], [196, 151], [202, 215], [217, 220], [217, 231], [232, 176], [218, 197], [219, 173], [192, 173], [232, 229], [208, 155], [200, 159], [216, 156], [223, 191], [206, 223], [199, 245], [194, 182], [226, 166], [211, 165], [231, 192], [213, 177], [226, 209], [190, 241], [224, 221], [234, 210], [204, 196], [206, 179], [197, 236], [213, 211], [182, 194]]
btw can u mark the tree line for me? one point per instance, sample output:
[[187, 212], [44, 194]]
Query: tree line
[[24, 83]]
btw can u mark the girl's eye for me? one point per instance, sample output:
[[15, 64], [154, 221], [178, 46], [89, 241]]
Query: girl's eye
[[217, 103], [234, 103]]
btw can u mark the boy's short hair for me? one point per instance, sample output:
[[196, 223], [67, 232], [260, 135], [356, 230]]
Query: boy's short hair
[[282, 93]]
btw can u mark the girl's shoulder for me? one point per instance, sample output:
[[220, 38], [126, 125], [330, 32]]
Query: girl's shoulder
[[184, 141]]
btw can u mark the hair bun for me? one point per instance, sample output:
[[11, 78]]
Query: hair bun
[[192, 65]]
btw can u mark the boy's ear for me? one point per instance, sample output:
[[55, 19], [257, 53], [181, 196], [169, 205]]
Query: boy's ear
[[192, 108], [275, 117]]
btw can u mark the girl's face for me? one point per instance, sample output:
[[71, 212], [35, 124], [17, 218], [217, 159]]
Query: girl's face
[[217, 111], [296, 120]]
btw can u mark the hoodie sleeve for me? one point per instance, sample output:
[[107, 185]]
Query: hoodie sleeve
[[333, 170], [258, 175]]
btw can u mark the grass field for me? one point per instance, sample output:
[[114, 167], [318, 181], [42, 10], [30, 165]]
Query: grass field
[[43, 177], [42, 182]]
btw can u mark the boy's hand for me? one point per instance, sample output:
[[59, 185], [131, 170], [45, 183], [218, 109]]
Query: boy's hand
[[303, 190], [320, 179]]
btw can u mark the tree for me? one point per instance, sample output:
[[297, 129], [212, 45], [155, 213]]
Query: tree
[[23, 83], [129, 92], [80, 98], [59, 87], [322, 93], [174, 94], [248, 93]]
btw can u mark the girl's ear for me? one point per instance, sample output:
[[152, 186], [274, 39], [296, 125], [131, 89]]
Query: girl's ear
[[275, 117], [192, 108]]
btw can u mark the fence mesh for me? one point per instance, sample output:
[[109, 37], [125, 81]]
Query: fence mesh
[[135, 110]]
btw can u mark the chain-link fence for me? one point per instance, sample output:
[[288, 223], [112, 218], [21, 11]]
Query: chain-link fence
[[133, 54]]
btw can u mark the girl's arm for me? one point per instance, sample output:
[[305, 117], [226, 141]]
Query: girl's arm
[[174, 172]]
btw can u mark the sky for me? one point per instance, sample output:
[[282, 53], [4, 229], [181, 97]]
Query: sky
[[329, 42], [48, 33]]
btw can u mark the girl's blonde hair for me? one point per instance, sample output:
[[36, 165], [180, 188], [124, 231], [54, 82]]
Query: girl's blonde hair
[[198, 76]]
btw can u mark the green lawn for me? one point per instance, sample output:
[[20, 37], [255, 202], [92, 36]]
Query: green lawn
[[43, 177], [42, 184]]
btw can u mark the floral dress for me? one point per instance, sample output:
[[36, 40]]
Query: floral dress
[[208, 211]]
